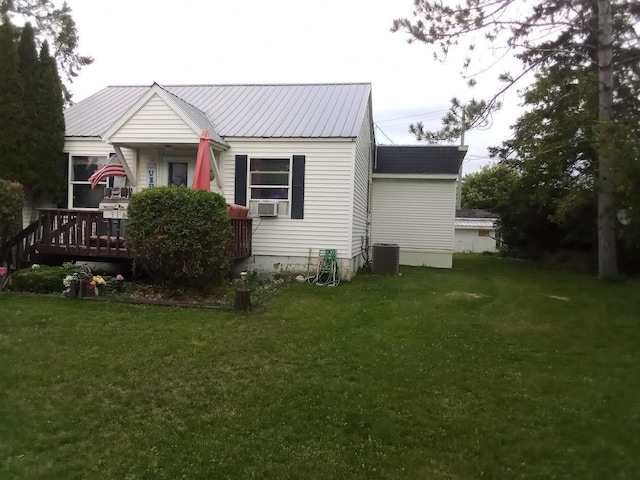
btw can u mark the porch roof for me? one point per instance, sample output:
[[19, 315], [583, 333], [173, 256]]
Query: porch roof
[[198, 117], [187, 116]]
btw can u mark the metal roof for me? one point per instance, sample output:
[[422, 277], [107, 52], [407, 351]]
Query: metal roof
[[418, 159], [268, 111], [93, 116], [198, 117], [481, 223]]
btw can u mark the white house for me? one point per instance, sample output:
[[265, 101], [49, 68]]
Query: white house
[[306, 149], [475, 231]]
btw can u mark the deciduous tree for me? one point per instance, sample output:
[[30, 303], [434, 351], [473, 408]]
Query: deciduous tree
[[554, 150], [541, 35], [490, 188]]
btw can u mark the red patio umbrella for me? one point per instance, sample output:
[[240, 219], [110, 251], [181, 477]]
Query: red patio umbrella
[[202, 177]]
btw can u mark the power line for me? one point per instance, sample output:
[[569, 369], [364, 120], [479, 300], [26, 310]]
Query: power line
[[382, 131], [476, 160], [411, 116]]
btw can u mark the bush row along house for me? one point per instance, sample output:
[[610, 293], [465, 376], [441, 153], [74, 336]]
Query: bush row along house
[[301, 157]]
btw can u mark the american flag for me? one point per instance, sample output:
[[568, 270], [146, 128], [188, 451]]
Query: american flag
[[113, 168]]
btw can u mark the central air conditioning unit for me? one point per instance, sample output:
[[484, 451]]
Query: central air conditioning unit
[[267, 209], [386, 259]]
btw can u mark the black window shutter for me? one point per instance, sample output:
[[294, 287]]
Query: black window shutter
[[240, 193], [297, 187]]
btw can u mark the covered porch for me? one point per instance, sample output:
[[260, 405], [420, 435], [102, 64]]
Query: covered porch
[[156, 141], [163, 134]]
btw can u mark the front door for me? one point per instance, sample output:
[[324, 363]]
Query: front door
[[178, 174]]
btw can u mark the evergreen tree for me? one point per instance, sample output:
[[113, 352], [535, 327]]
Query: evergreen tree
[[11, 105], [31, 114], [50, 126], [57, 26], [30, 75]]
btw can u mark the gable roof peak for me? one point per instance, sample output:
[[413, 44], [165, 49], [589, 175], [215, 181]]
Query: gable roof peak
[[193, 117]]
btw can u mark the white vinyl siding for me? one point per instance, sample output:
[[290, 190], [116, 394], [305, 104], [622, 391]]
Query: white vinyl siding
[[470, 240], [86, 146], [362, 175], [150, 157], [155, 122], [27, 210], [418, 215], [328, 196]]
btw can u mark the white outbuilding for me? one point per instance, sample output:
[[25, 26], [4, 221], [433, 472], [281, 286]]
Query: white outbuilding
[[413, 202], [476, 231]]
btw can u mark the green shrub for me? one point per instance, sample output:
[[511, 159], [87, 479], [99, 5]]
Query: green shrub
[[41, 280], [11, 201], [180, 236]]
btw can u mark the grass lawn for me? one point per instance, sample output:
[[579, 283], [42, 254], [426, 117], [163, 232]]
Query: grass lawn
[[495, 369]]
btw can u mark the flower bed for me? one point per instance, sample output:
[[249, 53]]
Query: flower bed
[[79, 282]]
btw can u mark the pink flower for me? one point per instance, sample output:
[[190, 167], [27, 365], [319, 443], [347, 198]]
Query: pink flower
[[119, 278], [2, 271]]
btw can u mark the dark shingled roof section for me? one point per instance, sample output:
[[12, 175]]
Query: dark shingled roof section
[[474, 213], [419, 159]]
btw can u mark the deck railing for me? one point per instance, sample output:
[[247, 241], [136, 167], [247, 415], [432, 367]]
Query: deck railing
[[82, 234], [242, 234], [87, 234], [19, 249]]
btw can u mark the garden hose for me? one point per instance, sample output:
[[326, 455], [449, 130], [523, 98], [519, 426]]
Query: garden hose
[[328, 273]]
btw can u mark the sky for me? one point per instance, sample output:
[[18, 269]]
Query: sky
[[138, 42]]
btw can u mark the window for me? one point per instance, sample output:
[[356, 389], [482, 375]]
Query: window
[[81, 195], [484, 233], [178, 173], [278, 179], [269, 178]]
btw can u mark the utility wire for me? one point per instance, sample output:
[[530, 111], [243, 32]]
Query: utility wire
[[411, 116], [382, 131]]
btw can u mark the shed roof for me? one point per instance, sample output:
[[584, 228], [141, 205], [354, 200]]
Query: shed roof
[[474, 213], [419, 159], [268, 111]]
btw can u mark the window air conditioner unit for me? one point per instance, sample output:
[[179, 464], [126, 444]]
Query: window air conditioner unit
[[268, 209], [117, 193]]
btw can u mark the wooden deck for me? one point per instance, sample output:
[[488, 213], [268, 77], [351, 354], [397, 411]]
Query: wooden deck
[[83, 235]]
